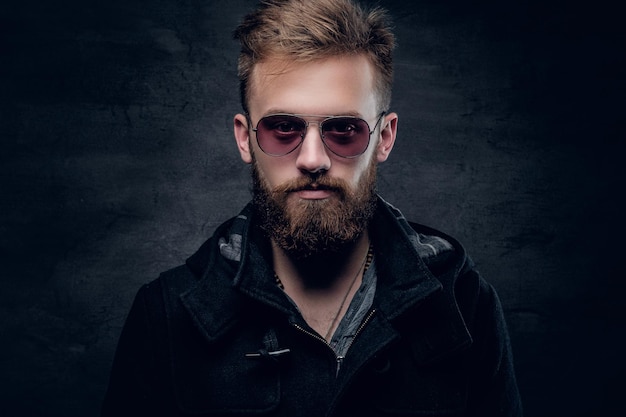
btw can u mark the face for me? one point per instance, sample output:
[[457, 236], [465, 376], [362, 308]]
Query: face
[[312, 200]]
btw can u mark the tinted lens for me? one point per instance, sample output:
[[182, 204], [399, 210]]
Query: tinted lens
[[346, 136], [280, 134]]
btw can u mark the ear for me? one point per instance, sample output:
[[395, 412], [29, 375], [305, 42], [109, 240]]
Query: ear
[[242, 136], [387, 136]]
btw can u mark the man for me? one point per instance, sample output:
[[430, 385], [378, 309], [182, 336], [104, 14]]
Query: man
[[319, 298]]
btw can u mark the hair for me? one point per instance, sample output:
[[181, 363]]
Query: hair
[[309, 30]]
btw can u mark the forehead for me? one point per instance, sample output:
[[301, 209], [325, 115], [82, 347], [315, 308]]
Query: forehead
[[335, 85]]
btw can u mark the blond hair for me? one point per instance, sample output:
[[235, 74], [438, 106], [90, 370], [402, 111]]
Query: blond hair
[[309, 30]]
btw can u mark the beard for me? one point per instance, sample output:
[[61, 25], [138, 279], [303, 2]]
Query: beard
[[305, 229]]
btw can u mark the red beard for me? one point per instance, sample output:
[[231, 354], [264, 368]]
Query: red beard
[[306, 228]]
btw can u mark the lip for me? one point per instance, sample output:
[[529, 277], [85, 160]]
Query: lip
[[311, 194]]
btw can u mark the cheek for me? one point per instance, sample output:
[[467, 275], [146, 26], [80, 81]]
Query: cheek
[[362, 168], [273, 172]]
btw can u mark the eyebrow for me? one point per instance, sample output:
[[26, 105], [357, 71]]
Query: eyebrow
[[350, 113]]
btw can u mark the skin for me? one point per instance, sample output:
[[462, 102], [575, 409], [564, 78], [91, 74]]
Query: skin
[[331, 86]]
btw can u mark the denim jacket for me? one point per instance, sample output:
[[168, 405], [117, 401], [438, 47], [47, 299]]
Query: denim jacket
[[217, 337]]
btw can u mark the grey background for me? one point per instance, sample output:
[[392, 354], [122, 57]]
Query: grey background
[[117, 161]]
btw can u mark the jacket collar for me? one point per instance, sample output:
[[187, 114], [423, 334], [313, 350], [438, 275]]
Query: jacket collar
[[406, 283], [226, 289], [403, 278]]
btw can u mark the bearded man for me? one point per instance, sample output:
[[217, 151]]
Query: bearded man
[[319, 298]]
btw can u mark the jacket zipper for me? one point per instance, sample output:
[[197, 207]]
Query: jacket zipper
[[339, 359], [356, 334]]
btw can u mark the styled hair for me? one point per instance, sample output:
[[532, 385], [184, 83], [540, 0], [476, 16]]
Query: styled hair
[[308, 30]]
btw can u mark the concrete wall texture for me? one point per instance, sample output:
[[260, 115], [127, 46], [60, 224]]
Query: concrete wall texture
[[117, 160]]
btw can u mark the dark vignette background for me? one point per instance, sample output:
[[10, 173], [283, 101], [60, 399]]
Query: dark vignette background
[[117, 161]]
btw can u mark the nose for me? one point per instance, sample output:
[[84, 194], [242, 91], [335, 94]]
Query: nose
[[313, 155]]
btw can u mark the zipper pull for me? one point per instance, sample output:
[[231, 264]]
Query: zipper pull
[[339, 362]]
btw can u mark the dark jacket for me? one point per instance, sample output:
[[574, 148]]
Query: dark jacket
[[217, 337]]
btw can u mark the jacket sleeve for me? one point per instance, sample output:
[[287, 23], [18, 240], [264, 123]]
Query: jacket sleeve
[[132, 388], [495, 390]]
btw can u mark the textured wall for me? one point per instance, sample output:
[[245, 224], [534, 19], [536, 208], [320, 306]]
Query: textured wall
[[117, 161]]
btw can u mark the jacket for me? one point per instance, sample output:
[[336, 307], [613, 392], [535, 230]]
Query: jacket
[[217, 337]]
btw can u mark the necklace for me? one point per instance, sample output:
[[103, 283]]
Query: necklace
[[364, 266], [345, 297]]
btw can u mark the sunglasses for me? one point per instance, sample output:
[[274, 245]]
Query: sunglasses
[[345, 136]]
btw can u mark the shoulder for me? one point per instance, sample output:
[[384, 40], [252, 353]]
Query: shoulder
[[439, 258], [474, 297], [161, 294], [215, 255], [448, 261]]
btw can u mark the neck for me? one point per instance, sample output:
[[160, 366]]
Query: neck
[[323, 271], [323, 287]]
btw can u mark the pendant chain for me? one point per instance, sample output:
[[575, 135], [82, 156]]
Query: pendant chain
[[364, 266]]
